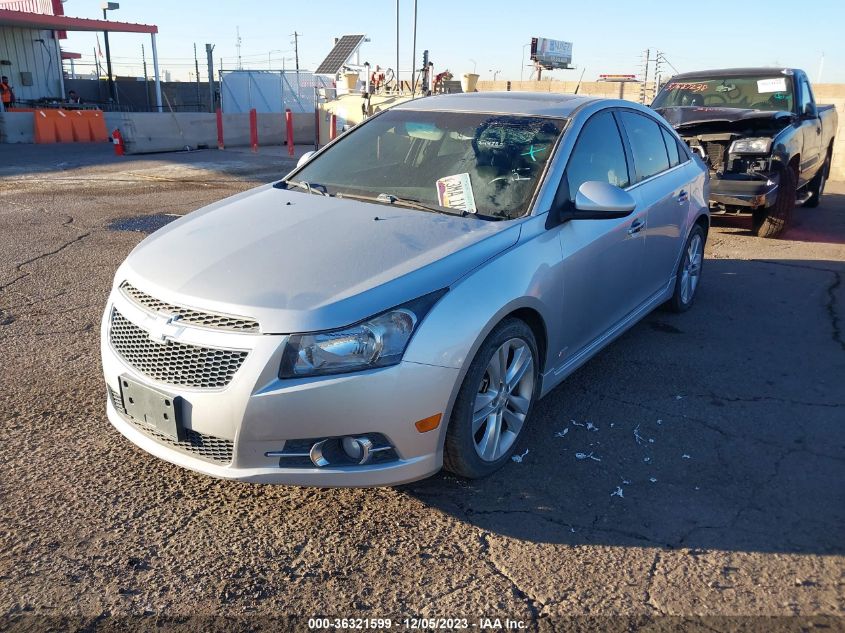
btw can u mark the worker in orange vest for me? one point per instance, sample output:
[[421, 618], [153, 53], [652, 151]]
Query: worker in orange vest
[[6, 92]]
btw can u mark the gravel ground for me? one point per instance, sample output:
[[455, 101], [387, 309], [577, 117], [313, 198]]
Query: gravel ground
[[720, 431]]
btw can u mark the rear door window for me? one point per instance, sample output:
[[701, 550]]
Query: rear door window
[[646, 139], [671, 147]]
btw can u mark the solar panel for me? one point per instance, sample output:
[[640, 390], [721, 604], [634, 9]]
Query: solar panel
[[342, 51]]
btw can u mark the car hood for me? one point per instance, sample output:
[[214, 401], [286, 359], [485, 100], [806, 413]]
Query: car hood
[[299, 262], [682, 116]]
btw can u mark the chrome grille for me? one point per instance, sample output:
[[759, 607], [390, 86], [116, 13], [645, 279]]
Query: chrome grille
[[171, 362], [188, 316], [205, 446]]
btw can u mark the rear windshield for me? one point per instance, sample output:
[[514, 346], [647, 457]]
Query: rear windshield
[[490, 164], [763, 92]]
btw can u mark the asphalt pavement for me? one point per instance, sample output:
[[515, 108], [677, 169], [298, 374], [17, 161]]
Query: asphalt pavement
[[694, 468]]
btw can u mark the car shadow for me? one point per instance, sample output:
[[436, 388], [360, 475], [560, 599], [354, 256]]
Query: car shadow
[[717, 428]]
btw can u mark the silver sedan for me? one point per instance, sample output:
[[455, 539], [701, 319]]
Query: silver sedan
[[402, 299]]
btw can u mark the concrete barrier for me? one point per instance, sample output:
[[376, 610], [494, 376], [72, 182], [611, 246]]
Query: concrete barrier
[[147, 132], [17, 127]]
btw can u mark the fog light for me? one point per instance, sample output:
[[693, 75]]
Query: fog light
[[357, 449]]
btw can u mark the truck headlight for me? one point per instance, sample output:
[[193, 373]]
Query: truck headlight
[[379, 341], [751, 146]]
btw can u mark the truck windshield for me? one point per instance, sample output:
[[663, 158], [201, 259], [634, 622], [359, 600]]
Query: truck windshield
[[490, 164], [769, 92]]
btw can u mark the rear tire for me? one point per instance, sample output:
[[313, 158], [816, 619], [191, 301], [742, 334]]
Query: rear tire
[[494, 403], [816, 185], [771, 221], [688, 275]]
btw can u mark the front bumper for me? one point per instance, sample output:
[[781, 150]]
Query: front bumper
[[233, 428], [743, 193]]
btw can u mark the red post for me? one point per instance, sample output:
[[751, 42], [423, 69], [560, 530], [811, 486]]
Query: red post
[[289, 123], [117, 139], [219, 128], [333, 127], [253, 129]]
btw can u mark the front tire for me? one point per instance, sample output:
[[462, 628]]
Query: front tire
[[495, 401], [689, 271], [771, 221]]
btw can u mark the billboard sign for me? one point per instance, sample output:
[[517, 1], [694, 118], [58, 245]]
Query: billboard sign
[[551, 53]]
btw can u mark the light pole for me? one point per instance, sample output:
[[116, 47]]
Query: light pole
[[473, 65], [109, 6], [495, 73], [522, 66]]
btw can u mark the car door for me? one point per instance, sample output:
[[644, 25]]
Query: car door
[[811, 131], [662, 188], [602, 259]]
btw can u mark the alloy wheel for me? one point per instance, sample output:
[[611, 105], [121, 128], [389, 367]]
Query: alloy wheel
[[692, 268], [503, 399]]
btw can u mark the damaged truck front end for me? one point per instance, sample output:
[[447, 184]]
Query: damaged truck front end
[[767, 143], [745, 151]]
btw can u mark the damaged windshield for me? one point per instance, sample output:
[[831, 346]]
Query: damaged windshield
[[754, 93], [489, 164]]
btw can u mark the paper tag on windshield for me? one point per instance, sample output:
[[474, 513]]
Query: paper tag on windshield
[[455, 192], [778, 84]]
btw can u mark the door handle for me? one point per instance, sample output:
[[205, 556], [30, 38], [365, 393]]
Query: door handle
[[636, 227], [818, 131], [683, 197]]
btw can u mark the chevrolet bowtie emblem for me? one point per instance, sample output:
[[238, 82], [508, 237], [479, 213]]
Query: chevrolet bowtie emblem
[[161, 329]]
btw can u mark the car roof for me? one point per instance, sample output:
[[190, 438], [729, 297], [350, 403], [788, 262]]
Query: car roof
[[733, 72], [532, 103]]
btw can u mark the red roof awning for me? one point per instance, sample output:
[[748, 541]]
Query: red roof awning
[[65, 23], [69, 55]]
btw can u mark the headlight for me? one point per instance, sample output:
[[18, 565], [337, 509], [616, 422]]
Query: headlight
[[751, 146], [379, 341]]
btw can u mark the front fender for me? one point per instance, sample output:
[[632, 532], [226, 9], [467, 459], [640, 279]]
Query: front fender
[[523, 277]]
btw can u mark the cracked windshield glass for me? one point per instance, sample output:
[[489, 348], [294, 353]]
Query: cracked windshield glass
[[487, 164]]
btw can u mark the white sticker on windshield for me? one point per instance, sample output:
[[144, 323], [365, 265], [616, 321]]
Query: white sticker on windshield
[[778, 84], [455, 192]]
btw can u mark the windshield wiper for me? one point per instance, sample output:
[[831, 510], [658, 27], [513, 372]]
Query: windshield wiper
[[386, 198], [310, 187]]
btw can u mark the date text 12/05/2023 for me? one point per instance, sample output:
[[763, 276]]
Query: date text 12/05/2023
[[414, 623]]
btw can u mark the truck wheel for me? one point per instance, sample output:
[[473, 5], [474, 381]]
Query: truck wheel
[[689, 271], [495, 400], [771, 221], [816, 186]]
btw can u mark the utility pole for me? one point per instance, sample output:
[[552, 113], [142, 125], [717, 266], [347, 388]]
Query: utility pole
[[197, 71], [146, 78], [414, 54], [644, 74], [396, 74], [209, 49], [658, 71], [296, 48], [238, 46]]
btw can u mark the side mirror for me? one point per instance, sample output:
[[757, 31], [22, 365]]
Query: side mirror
[[810, 111], [305, 158], [598, 200]]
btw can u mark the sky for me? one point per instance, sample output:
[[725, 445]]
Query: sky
[[486, 37]]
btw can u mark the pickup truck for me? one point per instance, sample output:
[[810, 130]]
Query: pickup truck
[[766, 142]]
